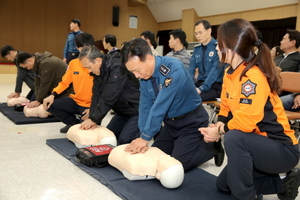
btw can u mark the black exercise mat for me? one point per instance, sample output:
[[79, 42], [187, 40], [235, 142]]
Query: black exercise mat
[[18, 117], [197, 184]]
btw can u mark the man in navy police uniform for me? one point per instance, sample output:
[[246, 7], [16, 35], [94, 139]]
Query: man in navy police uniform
[[167, 95]]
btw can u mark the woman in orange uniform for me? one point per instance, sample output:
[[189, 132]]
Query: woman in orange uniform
[[258, 140]]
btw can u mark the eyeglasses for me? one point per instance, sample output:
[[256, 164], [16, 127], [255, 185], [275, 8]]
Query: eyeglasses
[[199, 33]]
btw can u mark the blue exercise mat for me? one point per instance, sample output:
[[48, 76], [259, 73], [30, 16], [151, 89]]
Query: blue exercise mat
[[197, 184], [18, 117]]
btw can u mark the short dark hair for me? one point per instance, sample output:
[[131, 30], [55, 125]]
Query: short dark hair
[[76, 21], [6, 49], [84, 39], [205, 23], [294, 35], [151, 36], [180, 34], [22, 57], [111, 39], [91, 52], [136, 47]]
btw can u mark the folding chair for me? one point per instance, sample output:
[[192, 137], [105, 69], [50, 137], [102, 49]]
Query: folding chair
[[291, 83], [212, 109]]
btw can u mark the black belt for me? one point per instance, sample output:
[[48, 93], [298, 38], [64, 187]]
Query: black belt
[[74, 54], [200, 82], [186, 114]]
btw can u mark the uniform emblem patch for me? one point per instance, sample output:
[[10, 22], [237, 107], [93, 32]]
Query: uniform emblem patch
[[248, 88], [211, 54], [164, 70], [168, 82]]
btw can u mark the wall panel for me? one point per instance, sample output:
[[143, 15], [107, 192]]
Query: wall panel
[[38, 26], [251, 15]]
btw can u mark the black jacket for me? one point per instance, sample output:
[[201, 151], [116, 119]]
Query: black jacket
[[290, 63], [115, 88]]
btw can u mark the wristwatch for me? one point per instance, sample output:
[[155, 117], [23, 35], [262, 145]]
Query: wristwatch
[[219, 130]]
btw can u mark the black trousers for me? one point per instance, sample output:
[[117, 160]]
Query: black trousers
[[125, 128], [71, 56], [182, 140], [254, 162], [31, 95], [211, 94], [65, 108]]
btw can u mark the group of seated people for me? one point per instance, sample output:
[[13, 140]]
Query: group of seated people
[[160, 98]]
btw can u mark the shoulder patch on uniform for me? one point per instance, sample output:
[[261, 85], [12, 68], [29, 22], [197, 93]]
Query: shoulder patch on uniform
[[246, 101], [168, 82], [248, 88], [164, 70], [216, 43], [211, 53]]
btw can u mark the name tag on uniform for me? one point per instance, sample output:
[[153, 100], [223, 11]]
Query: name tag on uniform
[[76, 73], [246, 101], [164, 70]]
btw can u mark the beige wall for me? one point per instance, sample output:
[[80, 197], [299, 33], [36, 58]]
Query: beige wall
[[251, 15], [35, 25]]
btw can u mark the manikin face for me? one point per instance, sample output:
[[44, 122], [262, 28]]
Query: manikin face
[[286, 43], [92, 67], [142, 70], [28, 64], [202, 35]]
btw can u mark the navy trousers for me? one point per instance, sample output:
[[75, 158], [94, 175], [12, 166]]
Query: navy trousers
[[125, 128], [182, 140], [64, 109], [211, 94], [254, 162]]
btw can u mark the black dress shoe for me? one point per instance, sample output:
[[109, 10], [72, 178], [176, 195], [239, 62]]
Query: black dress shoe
[[65, 129], [219, 153], [291, 184], [259, 197]]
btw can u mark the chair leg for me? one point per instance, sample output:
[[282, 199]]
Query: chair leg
[[296, 128]]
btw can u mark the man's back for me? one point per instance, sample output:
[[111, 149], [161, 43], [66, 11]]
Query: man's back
[[48, 71], [114, 89]]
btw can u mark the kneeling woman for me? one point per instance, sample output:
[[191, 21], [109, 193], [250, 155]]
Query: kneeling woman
[[258, 140]]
